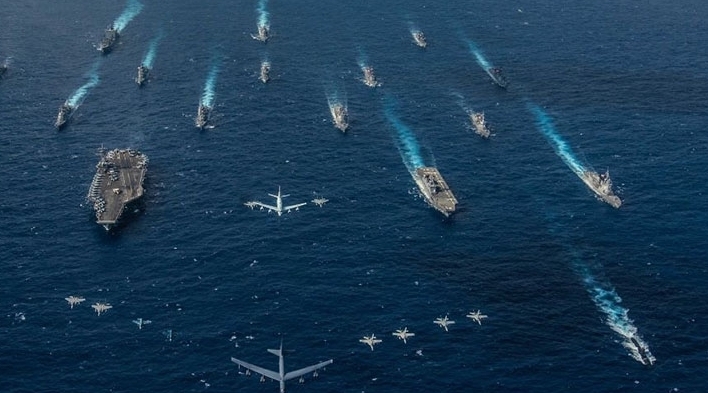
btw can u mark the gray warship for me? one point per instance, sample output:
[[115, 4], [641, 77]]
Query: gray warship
[[340, 116], [118, 181], [142, 76], [497, 76], [419, 38], [63, 116], [480, 126], [110, 36], [202, 116], [435, 190], [265, 72], [263, 34], [369, 77], [601, 185]]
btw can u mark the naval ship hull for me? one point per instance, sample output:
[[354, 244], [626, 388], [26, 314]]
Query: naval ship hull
[[109, 40], [117, 183], [435, 190], [202, 117], [63, 116], [419, 39], [480, 126], [497, 77], [142, 76], [339, 117], [601, 188]]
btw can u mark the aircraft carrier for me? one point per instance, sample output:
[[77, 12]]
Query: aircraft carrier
[[142, 76], [601, 185], [435, 190], [118, 181], [110, 36]]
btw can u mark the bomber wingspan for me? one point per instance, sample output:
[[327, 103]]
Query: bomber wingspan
[[303, 371], [260, 370], [265, 205], [295, 206]]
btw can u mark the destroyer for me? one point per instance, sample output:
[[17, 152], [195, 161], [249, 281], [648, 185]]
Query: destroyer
[[63, 115], [369, 77], [480, 126], [419, 38], [263, 34], [496, 74], [110, 36], [339, 116], [117, 182], [202, 116], [143, 72], [265, 72], [435, 190], [601, 184]]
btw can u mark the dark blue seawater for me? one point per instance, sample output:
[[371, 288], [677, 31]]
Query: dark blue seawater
[[564, 278]]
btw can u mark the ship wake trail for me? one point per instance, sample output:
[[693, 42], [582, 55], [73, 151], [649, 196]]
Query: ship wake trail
[[407, 144], [263, 15], [80, 94], [616, 317], [149, 58], [210, 85], [481, 60], [561, 147], [132, 9]]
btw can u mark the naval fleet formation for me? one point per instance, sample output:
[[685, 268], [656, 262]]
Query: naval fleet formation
[[120, 173]]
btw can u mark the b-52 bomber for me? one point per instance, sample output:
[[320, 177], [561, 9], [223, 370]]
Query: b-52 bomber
[[278, 208], [281, 376]]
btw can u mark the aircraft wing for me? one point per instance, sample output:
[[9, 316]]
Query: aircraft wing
[[303, 371], [260, 370], [295, 206], [267, 206]]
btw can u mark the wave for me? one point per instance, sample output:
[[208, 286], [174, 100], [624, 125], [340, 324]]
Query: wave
[[210, 85], [132, 9], [149, 58], [407, 144], [561, 147], [80, 94], [263, 15]]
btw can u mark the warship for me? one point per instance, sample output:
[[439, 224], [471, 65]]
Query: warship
[[419, 38], [369, 77], [435, 190], [143, 72], [263, 34], [496, 74], [339, 116], [601, 184], [265, 72], [64, 112], [110, 36], [480, 126], [202, 116], [118, 181]]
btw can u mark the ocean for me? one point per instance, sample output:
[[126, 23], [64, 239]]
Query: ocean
[[566, 280]]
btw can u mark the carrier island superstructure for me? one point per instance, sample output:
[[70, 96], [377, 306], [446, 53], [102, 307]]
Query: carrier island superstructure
[[118, 181], [435, 190]]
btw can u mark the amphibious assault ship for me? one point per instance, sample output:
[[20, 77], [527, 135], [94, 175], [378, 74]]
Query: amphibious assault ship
[[143, 72], [480, 126], [117, 182], [263, 34], [63, 115], [419, 38], [110, 36], [369, 77], [601, 184], [202, 116], [265, 72], [435, 190], [496, 74], [339, 116]]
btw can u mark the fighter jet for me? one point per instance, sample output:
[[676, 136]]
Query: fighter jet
[[141, 322], [370, 341], [403, 334], [74, 300], [320, 201], [278, 208], [101, 307], [281, 376], [476, 316], [443, 322]]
